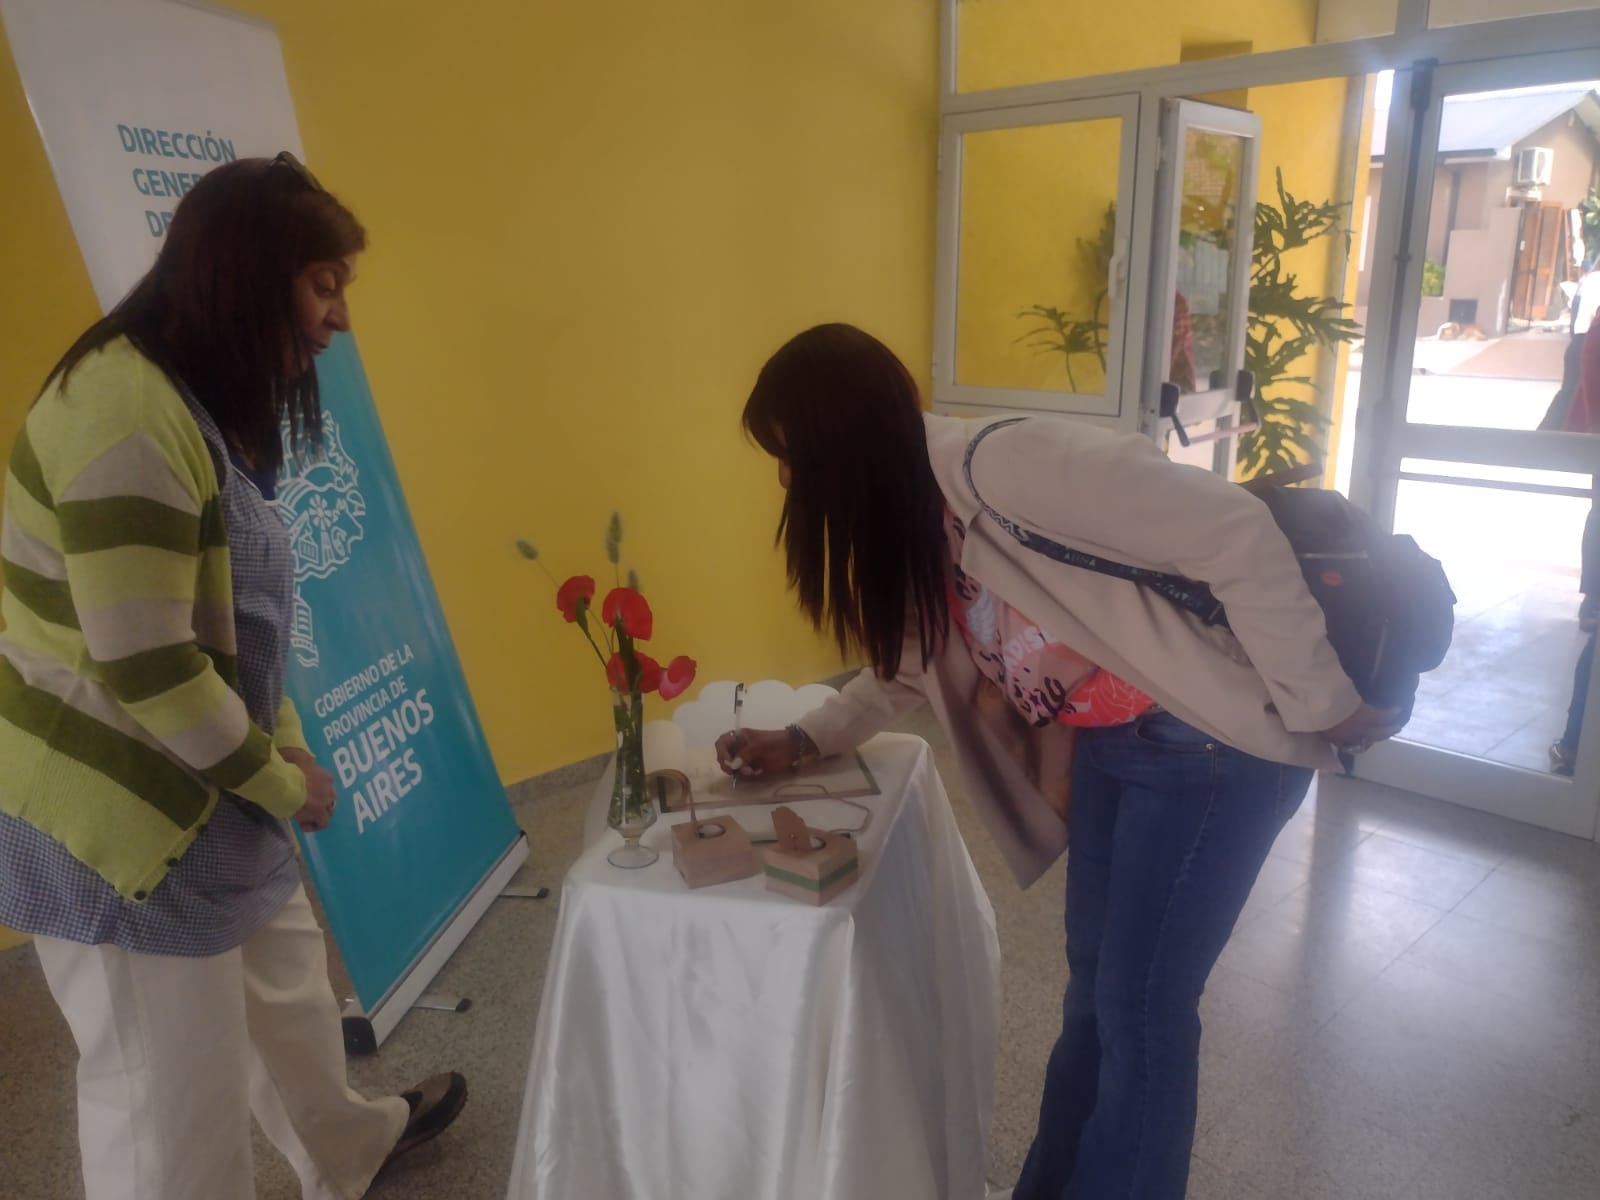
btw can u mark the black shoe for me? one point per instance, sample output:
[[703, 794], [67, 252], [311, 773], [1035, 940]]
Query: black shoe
[[435, 1104], [1563, 762]]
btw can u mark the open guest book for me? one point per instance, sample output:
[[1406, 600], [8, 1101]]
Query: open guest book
[[673, 768]]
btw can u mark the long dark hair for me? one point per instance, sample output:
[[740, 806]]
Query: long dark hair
[[863, 522], [217, 310]]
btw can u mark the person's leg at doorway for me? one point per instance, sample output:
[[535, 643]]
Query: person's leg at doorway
[[1564, 754], [1169, 831], [1589, 581]]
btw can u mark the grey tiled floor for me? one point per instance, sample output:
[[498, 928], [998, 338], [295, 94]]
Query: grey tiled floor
[[1502, 693], [1409, 1010]]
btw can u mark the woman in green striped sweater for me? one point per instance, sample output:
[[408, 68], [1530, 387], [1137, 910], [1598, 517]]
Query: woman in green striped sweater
[[149, 758]]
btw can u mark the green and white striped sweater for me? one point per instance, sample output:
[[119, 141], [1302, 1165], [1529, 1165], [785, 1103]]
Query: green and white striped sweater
[[119, 720]]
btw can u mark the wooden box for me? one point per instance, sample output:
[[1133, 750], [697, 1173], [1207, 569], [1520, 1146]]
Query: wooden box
[[712, 851], [809, 864]]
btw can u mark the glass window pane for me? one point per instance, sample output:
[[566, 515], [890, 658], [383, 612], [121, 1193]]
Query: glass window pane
[[1504, 255], [1505, 689], [1467, 12], [1208, 238], [1004, 43], [1036, 241]]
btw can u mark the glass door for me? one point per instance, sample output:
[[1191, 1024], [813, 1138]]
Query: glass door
[[1465, 439], [1200, 291]]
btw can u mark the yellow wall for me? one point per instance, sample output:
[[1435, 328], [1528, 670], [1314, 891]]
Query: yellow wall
[[45, 297], [589, 223], [1004, 43], [1028, 197], [1302, 127]]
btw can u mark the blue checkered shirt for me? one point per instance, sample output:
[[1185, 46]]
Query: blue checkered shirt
[[240, 870]]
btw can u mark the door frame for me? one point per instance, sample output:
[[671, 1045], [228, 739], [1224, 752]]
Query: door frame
[[1385, 437], [1207, 405]]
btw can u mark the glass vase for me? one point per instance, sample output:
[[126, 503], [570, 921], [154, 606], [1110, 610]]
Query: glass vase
[[631, 809]]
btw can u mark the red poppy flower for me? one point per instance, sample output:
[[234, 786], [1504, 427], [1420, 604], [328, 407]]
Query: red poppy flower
[[629, 607], [579, 590], [650, 674], [679, 675]]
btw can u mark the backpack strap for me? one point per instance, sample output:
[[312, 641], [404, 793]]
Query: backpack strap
[[1187, 594]]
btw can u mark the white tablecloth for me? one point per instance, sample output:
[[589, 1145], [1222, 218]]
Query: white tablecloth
[[732, 1044]]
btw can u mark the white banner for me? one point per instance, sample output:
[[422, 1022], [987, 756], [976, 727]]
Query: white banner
[[135, 100]]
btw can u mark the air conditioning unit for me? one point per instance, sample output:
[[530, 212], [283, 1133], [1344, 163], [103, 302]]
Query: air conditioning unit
[[1534, 164]]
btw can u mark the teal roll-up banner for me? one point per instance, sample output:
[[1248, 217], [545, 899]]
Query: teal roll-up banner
[[422, 816]]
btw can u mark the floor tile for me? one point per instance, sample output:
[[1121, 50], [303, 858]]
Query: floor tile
[[1251, 1032], [1434, 1081], [1557, 908], [1538, 1048], [1285, 1144], [1535, 1145], [1543, 974], [1542, 854], [1430, 823], [1208, 1182], [1319, 834], [1414, 872], [1279, 878], [1529, 747], [1446, 1177]]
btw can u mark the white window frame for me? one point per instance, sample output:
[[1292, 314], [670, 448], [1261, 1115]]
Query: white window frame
[[947, 393], [1180, 116]]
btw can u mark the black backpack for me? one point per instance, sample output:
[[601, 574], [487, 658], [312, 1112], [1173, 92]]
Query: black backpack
[[1389, 608]]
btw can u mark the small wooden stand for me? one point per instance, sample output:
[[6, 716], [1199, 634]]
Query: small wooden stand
[[716, 850], [807, 863]]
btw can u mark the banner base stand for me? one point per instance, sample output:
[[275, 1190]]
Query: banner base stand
[[525, 893], [364, 1032], [442, 1002]]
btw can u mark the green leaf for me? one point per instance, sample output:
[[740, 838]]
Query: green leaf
[[1285, 324], [527, 549], [633, 580]]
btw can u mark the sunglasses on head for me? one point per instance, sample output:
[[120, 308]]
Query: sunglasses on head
[[290, 162]]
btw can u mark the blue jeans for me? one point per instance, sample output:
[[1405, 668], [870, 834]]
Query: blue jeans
[[1580, 697], [1169, 830]]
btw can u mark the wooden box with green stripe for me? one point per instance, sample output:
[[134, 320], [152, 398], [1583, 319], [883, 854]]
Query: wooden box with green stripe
[[807, 863]]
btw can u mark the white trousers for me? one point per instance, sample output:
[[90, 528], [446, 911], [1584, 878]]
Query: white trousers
[[176, 1053]]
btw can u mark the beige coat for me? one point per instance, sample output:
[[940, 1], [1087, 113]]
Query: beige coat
[[1266, 688]]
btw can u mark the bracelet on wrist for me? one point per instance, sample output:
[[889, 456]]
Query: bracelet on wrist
[[802, 748]]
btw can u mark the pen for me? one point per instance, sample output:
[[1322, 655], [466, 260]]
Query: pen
[[738, 725]]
